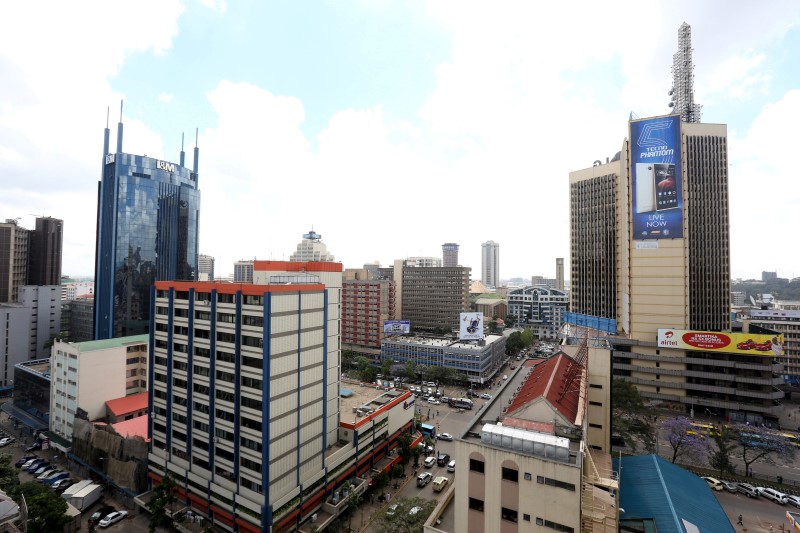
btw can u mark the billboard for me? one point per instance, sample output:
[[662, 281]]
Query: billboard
[[396, 327], [714, 341], [470, 326], [656, 178]]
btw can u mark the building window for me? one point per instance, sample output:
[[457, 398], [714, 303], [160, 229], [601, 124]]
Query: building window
[[509, 474], [595, 386], [475, 504], [598, 426], [596, 403], [508, 514], [526, 517], [528, 476], [554, 525], [476, 466]]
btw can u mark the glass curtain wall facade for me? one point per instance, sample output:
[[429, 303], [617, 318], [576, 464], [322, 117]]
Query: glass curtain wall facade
[[147, 230]]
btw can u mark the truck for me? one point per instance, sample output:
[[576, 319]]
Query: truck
[[86, 497], [77, 487]]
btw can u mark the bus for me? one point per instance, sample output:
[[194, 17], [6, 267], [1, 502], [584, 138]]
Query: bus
[[428, 430], [702, 430], [461, 403]]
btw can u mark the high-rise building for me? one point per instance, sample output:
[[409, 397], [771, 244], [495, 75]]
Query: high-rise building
[[450, 254], [434, 297], [44, 301], [768, 276], [147, 230], [682, 92], [367, 302], [205, 267], [243, 271], [490, 263], [29, 257], [559, 273], [44, 265], [424, 262], [539, 308], [311, 248]]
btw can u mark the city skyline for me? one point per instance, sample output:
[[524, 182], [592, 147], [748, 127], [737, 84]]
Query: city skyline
[[437, 102]]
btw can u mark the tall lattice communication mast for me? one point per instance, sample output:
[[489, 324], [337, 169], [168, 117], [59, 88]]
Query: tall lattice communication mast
[[682, 91]]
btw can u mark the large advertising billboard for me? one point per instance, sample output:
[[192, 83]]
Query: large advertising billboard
[[656, 178], [714, 341], [470, 326], [396, 327]]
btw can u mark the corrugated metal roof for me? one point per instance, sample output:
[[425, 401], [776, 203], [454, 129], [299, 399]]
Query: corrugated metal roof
[[105, 344], [651, 487], [127, 404]]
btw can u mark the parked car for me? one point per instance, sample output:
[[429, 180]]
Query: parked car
[[35, 446], [451, 466], [443, 459], [100, 514], [791, 499], [424, 478], [44, 467], [774, 495], [55, 477], [392, 509], [429, 462], [747, 490], [486, 396], [414, 510], [434, 401], [5, 441], [113, 518], [63, 484], [24, 459], [34, 465], [730, 486], [445, 436], [714, 483], [45, 473]]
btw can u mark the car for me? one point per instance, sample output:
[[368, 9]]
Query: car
[[44, 474], [45, 468], [764, 346], [774, 495], [63, 484], [730, 486], [713, 483], [445, 436], [392, 509], [29, 462], [747, 490], [33, 465], [440, 483], [24, 459], [486, 396], [100, 514], [429, 462], [414, 511], [5, 441], [35, 446], [444, 400], [749, 344], [55, 477], [443, 459], [424, 478], [434, 402], [791, 499], [113, 518], [39, 468], [451, 466]]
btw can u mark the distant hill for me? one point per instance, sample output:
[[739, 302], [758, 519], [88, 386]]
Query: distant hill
[[781, 288]]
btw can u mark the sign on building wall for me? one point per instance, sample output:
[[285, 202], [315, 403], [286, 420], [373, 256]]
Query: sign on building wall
[[396, 327], [714, 341], [656, 178], [471, 326]]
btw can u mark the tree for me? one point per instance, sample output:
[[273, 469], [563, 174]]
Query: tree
[[409, 370], [160, 502], [416, 451], [9, 478], [724, 441], [401, 520], [365, 370], [348, 359], [758, 444], [685, 443], [404, 447], [46, 511], [386, 367], [629, 418], [527, 337], [514, 343]]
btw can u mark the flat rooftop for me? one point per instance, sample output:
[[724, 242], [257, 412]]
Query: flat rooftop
[[443, 342], [357, 395]]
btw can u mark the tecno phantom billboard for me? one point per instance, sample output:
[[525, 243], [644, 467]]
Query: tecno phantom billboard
[[714, 341], [471, 326], [656, 178], [396, 327]]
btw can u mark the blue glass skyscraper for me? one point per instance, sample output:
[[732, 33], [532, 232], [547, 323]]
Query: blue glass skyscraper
[[147, 230]]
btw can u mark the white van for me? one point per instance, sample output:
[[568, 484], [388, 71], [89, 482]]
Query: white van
[[775, 496], [440, 483]]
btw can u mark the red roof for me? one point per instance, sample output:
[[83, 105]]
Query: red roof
[[127, 404], [530, 425], [547, 380], [135, 427]]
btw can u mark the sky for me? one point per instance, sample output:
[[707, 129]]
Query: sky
[[389, 127]]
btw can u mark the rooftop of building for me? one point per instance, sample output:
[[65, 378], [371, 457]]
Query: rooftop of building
[[549, 379], [127, 404], [107, 344], [37, 366], [135, 427], [652, 488], [444, 341], [360, 400]]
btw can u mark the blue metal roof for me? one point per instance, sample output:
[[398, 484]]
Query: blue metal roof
[[651, 487]]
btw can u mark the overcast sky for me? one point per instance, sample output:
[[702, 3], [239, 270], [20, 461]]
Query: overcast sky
[[390, 127]]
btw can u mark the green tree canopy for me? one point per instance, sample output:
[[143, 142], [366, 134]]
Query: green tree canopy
[[160, 504], [46, 511], [401, 520], [629, 418]]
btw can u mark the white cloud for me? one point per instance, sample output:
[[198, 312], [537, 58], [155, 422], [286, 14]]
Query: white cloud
[[165, 97], [220, 6]]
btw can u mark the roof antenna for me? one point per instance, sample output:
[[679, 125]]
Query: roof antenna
[[183, 154], [108, 112], [120, 110]]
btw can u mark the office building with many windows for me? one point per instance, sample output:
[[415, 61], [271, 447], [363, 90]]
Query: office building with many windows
[[147, 230], [490, 264]]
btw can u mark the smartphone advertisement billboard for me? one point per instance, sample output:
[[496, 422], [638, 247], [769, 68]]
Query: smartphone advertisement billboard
[[656, 178], [471, 326], [715, 341]]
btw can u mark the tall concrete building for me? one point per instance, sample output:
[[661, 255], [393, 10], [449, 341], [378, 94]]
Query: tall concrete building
[[147, 230], [450, 254], [311, 248], [434, 297], [243, 271], [560, 273], [44, 301], [367, 303], [490, 264], [44, 264], [650, 248], [29, 257], [205, 267]]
